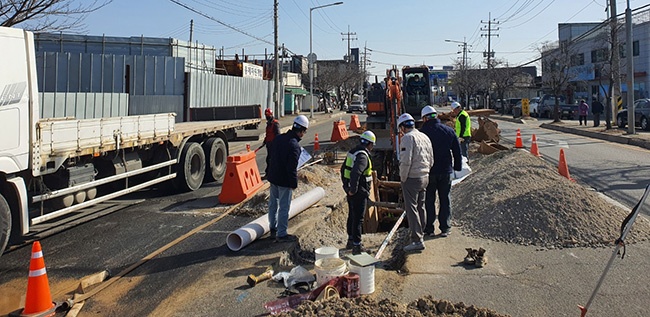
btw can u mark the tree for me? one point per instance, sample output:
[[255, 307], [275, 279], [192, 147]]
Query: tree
[[47, 15], [338, 76], [556, 71], [503, 79], [468, 81]]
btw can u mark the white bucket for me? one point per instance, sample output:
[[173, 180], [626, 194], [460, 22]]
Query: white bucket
[[328, 269], [326, 252], [366, 278]]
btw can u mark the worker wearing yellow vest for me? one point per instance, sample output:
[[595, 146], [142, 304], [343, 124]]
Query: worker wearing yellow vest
[[356, 175], [463, 127]]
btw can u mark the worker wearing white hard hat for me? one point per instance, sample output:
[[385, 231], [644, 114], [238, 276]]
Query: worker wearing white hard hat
[[415, 161], [463, 127], [356, 175], [283, 176], [447, 158]]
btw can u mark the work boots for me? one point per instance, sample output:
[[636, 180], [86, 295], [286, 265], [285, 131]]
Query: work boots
[[475, 257]]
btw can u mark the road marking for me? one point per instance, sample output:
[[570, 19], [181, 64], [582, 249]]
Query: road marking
[[540, 142]]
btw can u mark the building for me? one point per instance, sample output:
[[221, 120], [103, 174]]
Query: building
[[587, 47]]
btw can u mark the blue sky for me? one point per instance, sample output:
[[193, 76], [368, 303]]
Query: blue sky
[[406, 32]]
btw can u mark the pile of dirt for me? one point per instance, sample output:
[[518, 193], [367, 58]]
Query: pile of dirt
[[344, 145], [514, 197], [364, 306], [308, 178]]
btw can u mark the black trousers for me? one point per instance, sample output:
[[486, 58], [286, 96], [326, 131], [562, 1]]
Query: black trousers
[[357, 208], [596, 119]]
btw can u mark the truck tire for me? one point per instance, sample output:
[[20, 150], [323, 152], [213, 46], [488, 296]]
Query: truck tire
[[5, 224], [191, 167], [620, 122], [644, 124], [216, 155]]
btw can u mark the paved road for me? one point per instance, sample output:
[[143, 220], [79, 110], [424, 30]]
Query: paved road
[[617, 170]]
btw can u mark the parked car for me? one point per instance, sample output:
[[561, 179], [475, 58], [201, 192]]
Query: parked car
[[532, 107], [641, 115], [547, 105], [356, 106]]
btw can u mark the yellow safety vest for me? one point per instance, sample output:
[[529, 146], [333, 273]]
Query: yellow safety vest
[[468, 127], [349, 163]]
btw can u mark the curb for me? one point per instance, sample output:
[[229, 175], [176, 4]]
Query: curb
[[642, 143]]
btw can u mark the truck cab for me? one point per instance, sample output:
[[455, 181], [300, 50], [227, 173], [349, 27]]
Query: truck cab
[[416, 89]]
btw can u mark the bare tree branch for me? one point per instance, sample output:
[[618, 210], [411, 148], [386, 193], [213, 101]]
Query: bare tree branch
[[47, 15]]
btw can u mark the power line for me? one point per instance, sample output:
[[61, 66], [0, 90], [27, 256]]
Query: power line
[[411, 55], [222, 23]]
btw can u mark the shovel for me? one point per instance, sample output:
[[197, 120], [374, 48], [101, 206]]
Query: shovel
[[620, 242]]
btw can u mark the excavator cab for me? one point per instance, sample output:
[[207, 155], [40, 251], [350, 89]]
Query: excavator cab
[[417, 91]]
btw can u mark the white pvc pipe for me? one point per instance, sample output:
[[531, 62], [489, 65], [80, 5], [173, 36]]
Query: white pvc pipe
[[243, 236]]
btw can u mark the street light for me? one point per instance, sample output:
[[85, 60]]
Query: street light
[[464, 65], [310, 57], [464, 50]]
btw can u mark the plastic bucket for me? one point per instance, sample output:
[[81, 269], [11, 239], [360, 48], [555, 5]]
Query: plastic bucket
[[328, 269], [326, 252], [366, 278]]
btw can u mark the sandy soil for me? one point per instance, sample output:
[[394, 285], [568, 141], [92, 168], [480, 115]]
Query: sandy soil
[[531, 205]]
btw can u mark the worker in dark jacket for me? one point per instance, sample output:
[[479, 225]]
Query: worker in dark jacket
[[597, 108], [283, 176], [272, 130], [445, 145], [356, 175]]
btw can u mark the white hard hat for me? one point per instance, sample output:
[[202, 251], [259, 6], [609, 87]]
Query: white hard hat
[[369, 136], [455, 105], [301, 121], [404, 119], [428, 110]]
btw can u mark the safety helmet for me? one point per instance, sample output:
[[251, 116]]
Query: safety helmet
[[268, 112], [455, 105], [301, 122], [406, 120], [428, 110], [368, 137]]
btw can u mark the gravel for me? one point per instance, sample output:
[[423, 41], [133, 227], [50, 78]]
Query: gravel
[[514, 197]]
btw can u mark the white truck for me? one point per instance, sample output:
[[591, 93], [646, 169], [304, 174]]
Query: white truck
[[53, 167]]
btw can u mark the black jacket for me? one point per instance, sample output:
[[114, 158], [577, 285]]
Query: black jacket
[[597, 107], [357, 182], [284, 160], [445, 143]]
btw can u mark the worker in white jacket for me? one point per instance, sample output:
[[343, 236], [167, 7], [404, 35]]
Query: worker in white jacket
[[415, 162]]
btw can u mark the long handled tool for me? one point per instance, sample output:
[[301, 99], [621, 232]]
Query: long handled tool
[[620, 242], [390, 235]]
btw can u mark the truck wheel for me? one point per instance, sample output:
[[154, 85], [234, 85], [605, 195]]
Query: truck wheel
[[191, 168], [5, 224], [216, 156], [644, 124]]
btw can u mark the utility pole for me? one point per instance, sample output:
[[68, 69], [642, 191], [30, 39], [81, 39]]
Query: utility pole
[[191, 30], [615, 67], [349, 36], [276, 74], [489, 54], [629, 50]]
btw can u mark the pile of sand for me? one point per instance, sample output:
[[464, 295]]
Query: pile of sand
[[515, 197], [367, 307]]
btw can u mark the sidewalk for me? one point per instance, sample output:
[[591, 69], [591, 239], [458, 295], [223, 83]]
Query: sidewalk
[[640, 139]]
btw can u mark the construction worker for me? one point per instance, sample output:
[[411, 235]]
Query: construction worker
[[356, 175], [415, 161], [283, 176], [463, 127], [272, 130], [445, 144]]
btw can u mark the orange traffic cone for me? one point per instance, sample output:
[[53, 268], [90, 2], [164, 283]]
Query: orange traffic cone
[[519, 144], [534, 150], [316, 144], [38, 299], [563, 168]]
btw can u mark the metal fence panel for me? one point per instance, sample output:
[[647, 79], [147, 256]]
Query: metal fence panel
[[141, 105], [211, 90], [86, 72], [83, 105]]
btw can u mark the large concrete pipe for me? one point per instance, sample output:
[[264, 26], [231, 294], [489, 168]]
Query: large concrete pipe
[[243, 236]]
